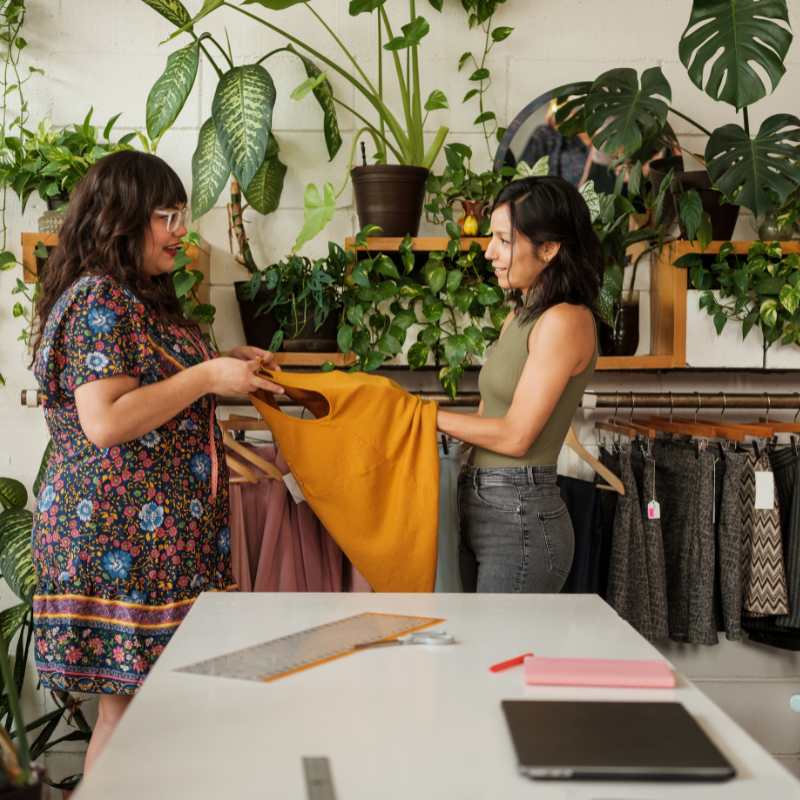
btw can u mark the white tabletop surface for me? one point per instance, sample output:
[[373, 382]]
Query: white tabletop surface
[[399, 722]]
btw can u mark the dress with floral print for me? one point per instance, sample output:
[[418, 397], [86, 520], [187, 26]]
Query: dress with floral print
[[126, 537]]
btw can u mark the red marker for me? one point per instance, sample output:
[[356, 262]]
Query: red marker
[[512, 662]]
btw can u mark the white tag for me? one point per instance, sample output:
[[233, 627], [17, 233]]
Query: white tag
[[765, 490], [294, 488], [654, 510]]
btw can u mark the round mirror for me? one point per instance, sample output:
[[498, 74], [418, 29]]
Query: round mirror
[[533, 134]]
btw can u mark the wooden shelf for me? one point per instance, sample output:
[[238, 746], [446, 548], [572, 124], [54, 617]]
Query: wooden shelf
[[289, 359], [420, 244], [635, 362], [683, 247]]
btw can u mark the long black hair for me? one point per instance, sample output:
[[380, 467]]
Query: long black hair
[[104, 233], [550, 209]]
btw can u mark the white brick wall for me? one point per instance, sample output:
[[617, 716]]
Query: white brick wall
[[107, 54]]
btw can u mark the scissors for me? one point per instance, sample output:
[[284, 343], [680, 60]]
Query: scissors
[[420, 637]]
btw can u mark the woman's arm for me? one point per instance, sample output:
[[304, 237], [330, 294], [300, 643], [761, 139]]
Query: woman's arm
[[560, 345], [117, 409]]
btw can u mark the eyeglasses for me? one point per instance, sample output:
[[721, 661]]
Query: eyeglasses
[[174, 218]]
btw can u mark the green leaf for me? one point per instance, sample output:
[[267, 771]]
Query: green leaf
[[16, 556], [489, 295], [501, 32], [364, 6], [373, 361], [413, 33], [436, 100], [418, 355], [434, 274], [724, 41], [318, 211], [207, 7], [385, 266], [172, 89], [365, 232], [610, 292], [173, 10], [449, 377], [324, 95], [690, 209], [454, 278], [455, 349], [475, 339], [768, 313], [463, 60], [13, 494], [789, 298], [11, 620], [404, 319], [360, 275], [432, 308], [470, 94], [480, 74], [389, 345], [264, 191], [589, 194], [344, 338], [437, 4], [242, 112], [184, 282], [300, 91], [7, 260], [486, 116], [752, 172], [705, 234], [210, 170], [720, 319], [407, 254], [621, 114]]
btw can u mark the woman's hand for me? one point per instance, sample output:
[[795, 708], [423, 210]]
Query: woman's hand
[[247, 352], [235, 376]]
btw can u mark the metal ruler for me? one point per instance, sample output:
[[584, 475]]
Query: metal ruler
[[319, 781], [308, 648]]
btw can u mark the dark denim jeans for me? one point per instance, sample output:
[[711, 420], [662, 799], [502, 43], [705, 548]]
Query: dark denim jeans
[[516, 534]]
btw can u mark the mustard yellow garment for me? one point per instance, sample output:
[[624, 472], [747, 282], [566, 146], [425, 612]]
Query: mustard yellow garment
[[369, 468]]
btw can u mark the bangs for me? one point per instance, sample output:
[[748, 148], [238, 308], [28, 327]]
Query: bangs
[[162, 187]]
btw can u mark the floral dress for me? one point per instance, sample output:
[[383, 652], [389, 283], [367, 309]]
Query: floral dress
[[126, 537]]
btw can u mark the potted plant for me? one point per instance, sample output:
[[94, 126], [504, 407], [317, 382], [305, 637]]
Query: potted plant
[[238, 138], [296, 303], [442, 314], [21, 778], [51, 161], [759, 291], [720, 47]]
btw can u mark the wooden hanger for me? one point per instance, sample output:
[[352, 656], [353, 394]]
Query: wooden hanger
[[267, 467], [782, 427], [243, 473], [697, 430], [601, 469]]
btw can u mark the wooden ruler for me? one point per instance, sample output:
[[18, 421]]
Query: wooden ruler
[[308, 648]]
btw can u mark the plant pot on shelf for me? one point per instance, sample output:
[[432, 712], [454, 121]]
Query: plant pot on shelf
[[473, 214], [390, 196], [770, 231], [52, 219], [260, 328], [723, 215], [623, 338]]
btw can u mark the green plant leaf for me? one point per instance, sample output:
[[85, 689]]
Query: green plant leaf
[[470, 94], [436, 100], [754, 172], [437, 4], [463, 58], [789, 298], [589, 194], [373, 361], [418, 355], [454, 278], [621, 114], [365, 233], [11, 620], [455, 349], [172, 89], [184, 282], [359, 274], [318, 211], [274, 5], [476, 339], [300, 91], [389, 345], [486, 116], [264, 191], [450, 377], [324, 95], [690, 209], [610, 292], [7, 260], [207, 7], [724, 41], [489, 295], [364, 6], [435, 274], [16, 556], [768, 313], [480, 74], [13, 494], [501, 32], [42, 471], [242, 112], [404, 319], [705, 234], [413, 33], [344, 338], [432, 308], [385, 266], [173, 10], [720, 320], [210, 170]]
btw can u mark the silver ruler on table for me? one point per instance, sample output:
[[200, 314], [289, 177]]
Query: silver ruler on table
[[308, 648]]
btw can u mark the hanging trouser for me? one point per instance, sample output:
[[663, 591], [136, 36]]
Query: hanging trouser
[[448, 574], [582, 499], [644, 470], [685, 486], [607, 501]]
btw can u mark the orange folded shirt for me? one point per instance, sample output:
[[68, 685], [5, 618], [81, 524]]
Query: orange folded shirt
[[368, 465]]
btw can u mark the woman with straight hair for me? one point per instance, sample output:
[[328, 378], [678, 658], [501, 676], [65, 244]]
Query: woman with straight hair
[[516, 535], [132, 516]]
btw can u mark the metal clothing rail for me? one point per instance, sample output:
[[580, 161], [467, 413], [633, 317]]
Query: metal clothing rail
[[696, 401]]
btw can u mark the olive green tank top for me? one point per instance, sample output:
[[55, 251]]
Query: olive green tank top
[[497, 382]]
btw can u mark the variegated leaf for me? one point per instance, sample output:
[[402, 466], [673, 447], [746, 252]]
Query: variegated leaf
[[12, 494], [173, 10], [171, 90], [210, 170], [11, 619], [264, 191], [16, 557], [242, 113]]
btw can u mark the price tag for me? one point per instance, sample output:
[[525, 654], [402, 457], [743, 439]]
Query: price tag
[[654, 510], [294, 488], [765, 490]]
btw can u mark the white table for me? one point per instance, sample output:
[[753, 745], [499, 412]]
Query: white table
[[398, 722]]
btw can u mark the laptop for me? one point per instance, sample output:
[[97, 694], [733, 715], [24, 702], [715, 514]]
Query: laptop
[[612, 741]]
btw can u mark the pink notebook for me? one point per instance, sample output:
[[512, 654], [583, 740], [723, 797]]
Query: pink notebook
[[598, 672]]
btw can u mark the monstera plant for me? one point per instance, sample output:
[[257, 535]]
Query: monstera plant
[[728, 47]]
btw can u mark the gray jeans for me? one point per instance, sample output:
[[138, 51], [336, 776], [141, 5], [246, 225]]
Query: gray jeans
[[516, 534]]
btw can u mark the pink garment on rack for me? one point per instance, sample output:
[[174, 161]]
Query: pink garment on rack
[[280, 546]]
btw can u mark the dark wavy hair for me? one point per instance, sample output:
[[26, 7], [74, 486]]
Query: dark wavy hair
[[104, 232], [550, 209]]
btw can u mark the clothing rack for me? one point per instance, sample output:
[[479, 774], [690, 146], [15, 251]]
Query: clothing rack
[[696, 401]]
